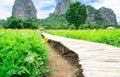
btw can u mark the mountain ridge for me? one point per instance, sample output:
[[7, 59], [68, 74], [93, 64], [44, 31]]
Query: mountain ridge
[[101, 16]]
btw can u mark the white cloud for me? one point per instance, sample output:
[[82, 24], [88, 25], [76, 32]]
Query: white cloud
[[40, 4], [86, 1], [112, 4], [6, 2], [44, 14], [5, 8]]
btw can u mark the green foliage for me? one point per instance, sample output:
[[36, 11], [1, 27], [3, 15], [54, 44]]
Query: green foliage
[[17, 23], [22, 54], [93, 25], [1, 26], [111, 37], [55, 22], [98, 18], [76, 14], [59, 22]]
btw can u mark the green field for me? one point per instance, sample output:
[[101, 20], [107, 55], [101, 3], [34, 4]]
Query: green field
[[111, 37], [22, 54]]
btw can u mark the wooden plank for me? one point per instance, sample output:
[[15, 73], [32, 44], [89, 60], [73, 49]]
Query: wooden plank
[[89, 63], [100, 74]]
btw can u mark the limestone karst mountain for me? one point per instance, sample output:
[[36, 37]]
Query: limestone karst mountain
[[108, 15], [62, 6], [24, 9], [101, 16]]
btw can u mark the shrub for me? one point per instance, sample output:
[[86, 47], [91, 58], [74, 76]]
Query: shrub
[[22, 54], [93, 25]]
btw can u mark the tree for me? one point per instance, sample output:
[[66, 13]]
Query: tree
[[76, 14], [11, 22], [18, 23]]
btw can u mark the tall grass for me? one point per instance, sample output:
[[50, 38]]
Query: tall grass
[[111, 37], [22, 54]]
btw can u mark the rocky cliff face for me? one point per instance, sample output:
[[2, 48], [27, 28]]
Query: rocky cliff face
[[91, 14], [24, 9], [101, 16], [108, 15], [62, 6]]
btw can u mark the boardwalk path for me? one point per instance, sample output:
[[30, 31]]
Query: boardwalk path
[[97, 60]]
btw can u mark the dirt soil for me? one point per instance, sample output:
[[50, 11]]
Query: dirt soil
[[60, 66]]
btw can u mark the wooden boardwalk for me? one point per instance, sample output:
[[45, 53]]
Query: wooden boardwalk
[[97, 60]]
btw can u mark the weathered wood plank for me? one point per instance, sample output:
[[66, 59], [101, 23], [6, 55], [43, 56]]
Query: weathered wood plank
[[100, 74]]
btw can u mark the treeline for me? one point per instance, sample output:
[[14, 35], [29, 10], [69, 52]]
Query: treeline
[[56, 22], [18, 23], [52, 22], [59, 22]]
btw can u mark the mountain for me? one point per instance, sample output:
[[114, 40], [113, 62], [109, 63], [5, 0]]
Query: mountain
[[62, 6], [108, 15], [100, 16], [24, 9]]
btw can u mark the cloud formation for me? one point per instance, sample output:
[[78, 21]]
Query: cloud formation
[[5, 8], [44, 7]]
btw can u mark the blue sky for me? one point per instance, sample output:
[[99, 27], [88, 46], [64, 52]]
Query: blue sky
[[44, 7]]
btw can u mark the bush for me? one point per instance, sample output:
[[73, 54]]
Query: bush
[[17, 23], [22, 54], [96, 26]]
